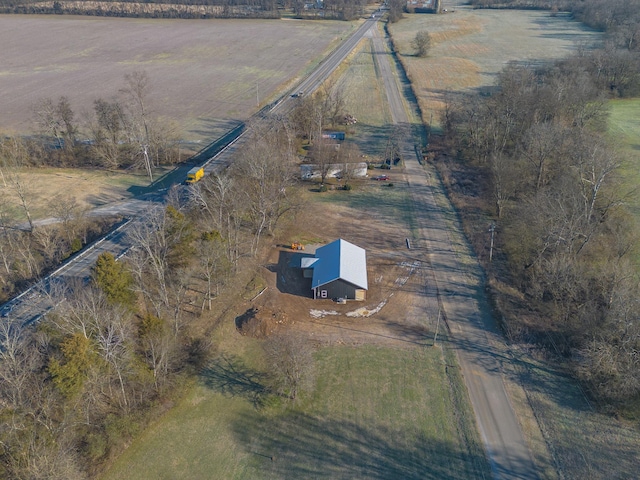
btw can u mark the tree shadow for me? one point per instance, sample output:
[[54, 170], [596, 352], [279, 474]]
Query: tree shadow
[[297, 445], [245, 318], [229, 375], [175, 175]]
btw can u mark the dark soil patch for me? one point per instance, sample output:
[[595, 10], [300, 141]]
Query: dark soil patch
[[260, 322]]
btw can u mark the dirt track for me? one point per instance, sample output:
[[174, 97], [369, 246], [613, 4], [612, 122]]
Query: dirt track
[[458, 292]]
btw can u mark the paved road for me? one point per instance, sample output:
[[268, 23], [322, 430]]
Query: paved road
[[457, 290], [328, 65]]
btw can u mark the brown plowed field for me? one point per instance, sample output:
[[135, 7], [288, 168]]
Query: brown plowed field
[[203, 73]]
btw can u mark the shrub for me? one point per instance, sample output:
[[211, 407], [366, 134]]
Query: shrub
[[76, 245], [323, 188], [347, 186]]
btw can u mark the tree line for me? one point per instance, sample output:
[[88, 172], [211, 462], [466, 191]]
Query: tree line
[[328, 9], [79, 385], [552, 176], [121, 132]]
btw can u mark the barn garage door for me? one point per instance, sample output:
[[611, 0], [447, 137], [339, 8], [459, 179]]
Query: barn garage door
[[360, 294]]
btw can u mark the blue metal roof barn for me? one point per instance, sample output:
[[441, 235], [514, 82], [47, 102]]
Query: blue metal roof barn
[[339, 271]]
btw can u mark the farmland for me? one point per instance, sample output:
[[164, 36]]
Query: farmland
[[204, 74], [470, 47]]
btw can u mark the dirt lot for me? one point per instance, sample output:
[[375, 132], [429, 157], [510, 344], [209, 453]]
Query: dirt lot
[[203, 73], [394, 276]]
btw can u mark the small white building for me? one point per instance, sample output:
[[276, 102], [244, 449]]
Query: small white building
[[309, 171]]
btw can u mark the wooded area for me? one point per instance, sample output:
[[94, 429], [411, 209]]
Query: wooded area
[[79, 385], [551, 176], [328, 9]]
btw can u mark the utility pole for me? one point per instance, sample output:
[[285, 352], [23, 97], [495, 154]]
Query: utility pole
[[435, 337], [492, 229]]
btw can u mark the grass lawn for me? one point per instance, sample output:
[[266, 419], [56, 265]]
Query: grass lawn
[[624, 129], [90, 188], [375, 413], [376, 200], [364, 98], [624, 122]]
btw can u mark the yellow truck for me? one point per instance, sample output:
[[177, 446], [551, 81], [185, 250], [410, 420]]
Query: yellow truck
[[195, 174]]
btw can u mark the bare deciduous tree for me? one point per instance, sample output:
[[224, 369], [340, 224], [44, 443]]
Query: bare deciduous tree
[[219, 198], [263, 168], [291, 363], [149, 258], [56, 120], [136, 91], [159, 346], [108, 131], [325, 155], [421, 43], [18, 361]]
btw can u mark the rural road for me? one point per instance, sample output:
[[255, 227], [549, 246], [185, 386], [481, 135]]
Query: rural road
[[327, 66], [457, 289]]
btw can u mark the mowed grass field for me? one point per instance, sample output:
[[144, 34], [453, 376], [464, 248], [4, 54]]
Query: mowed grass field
[[624, 129], [470, 47], [375, 413]]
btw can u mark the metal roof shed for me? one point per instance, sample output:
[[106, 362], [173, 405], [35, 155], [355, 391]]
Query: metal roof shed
[[340, 271]]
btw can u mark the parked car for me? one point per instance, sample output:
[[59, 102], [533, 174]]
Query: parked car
[[381, 177]]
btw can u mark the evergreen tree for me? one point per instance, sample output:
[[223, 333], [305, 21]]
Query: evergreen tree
[[113, 279], [69, 376]]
